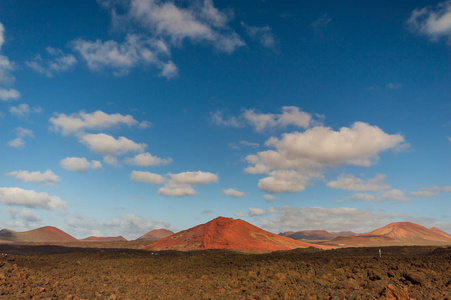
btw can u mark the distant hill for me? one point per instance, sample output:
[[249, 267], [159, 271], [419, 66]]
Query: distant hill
[[104, 239], [43, 234], [315, 235], [155, 235], [436, 230], [395, 234], [227, 233]]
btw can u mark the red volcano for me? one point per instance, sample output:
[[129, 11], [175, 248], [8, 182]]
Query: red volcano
[[155, 235], [43, 234], [395, 234], [227, 233], [104, 239]]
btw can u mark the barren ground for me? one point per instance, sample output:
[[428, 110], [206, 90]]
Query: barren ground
[[56, 272]]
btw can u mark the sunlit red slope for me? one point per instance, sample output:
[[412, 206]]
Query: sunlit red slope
[[104, 239], [400, 233], [43, 234], [227, 233], [155, 235]]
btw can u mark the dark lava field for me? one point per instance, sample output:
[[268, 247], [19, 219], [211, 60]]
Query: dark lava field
[[55, 272]]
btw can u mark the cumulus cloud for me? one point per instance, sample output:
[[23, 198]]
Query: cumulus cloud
[[352, 183], [29, 216], [98, 120], [177, 190], [424, 194], [330, 219], [79, 164], [437, 188], [9, 94], [433, 22], [120, 58], [24, 110], [283, 181], [181, 184], [17, 143], [256, 212], [19, 197], [239, 214], [310, 152], [233, 193], [130, 226], [6, 66], [363, 197], [262, 35], [269, 198], [21, 134], [56, 62], [290, 116], [395, 195], [47, 178], [110, 147], [147, 177], [147, 160]]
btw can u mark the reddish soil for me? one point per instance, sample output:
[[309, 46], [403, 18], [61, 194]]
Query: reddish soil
[[436, 230], [351, 273], [104, 239], [227, 233], [155, 235], [43, 234], [400, 233]]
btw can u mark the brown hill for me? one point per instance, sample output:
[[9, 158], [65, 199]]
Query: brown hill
[[104, 239], [394, 234], [315, 235], [43, 234], [436, 230], [227, 233], [155, 235]]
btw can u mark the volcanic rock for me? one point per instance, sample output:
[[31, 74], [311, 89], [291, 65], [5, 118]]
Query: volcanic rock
[[227, 233], [104, 239], [395, 234], [315, 235], [155, 235], [43, 234]]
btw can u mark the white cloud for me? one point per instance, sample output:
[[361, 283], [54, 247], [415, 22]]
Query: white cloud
[[201, 22], [147, 177], [29, 217], [130, 226], [108, 146], [218, 119], [23, 132], [352, 183], [256, 212], [310, 152], [120, 58], [434, 22], [48, 177], [269, 198], [177, 190], [234, 193], [9, 94], [147, 160], [239, 214], [363, 197], [2, 35], [395, 195], [30, 198], [283, 181], [437, 188], [6, 67], [424, 194], [330, 219], [17, 143], [263, 35], [193, 178], [98, 120], [79, 164], [394, 86], [57, 62], [23, 110], [321, 24]]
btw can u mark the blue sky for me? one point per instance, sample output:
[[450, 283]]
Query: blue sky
[[119, 117]]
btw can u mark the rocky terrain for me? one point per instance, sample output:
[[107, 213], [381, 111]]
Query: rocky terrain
[[309, 273]]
